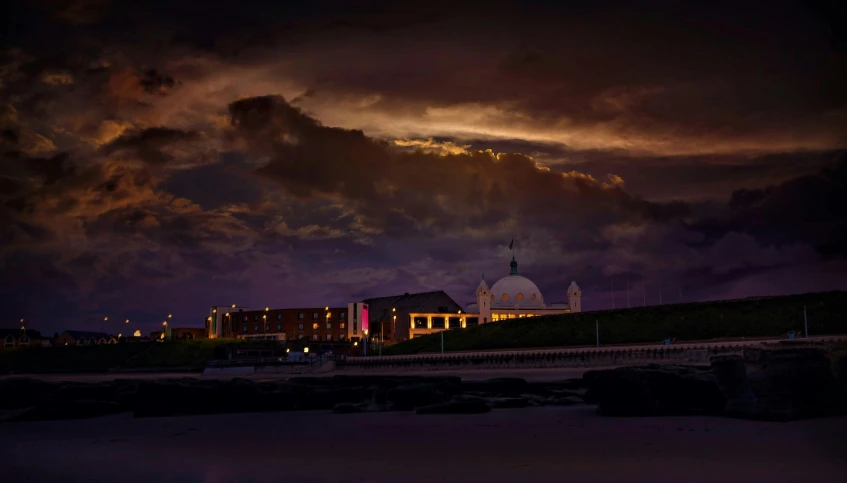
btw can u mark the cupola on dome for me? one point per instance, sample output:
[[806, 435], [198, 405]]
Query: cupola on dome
[[515, 290]]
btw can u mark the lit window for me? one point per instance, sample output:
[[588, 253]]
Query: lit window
[[520, 296], [533, 296], [505, 297], [342, 325], [315, 326], [495, 317], [314, 316], [511, 316], [522, 316]]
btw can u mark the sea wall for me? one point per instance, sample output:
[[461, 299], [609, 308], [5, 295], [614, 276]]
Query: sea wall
[[539, 360]]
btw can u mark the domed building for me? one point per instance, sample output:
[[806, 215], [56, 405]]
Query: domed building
[[513, 296]]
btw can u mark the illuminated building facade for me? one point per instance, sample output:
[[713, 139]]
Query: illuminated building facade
[[327, 324], [511, 297]]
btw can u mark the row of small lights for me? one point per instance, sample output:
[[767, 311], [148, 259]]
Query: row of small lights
[[106, 319], [164, 324]]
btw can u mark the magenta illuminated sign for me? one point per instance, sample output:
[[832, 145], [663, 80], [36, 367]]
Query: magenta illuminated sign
[[365, 318]]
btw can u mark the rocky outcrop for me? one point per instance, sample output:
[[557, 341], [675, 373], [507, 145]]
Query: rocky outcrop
[[410, 396], [31, 399], [23, 392], [653, 391], [57, 410], [783, 382]]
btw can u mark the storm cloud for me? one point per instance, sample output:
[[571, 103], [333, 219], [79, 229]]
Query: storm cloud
[[161, 158]]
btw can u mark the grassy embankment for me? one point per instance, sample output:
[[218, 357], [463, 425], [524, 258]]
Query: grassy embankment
[[754, 317], [190, 354]]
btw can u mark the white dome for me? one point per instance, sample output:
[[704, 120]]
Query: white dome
[[515, 290]]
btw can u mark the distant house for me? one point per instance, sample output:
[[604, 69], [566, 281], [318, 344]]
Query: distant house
[[81, 337], [21, 338], [181, 333]]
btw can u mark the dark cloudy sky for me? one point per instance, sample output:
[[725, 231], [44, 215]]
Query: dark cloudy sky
[[165, 156]]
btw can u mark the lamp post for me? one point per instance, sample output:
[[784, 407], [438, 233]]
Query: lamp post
[[597, 331], [805, 322], [442, 338]]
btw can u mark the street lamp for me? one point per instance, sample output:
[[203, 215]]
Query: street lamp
[[104, 321]]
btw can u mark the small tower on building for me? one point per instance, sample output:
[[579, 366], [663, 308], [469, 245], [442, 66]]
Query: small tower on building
[[574, 298], [483, 299]]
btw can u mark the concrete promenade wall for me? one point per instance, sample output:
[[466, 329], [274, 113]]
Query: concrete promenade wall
[[558, 358]]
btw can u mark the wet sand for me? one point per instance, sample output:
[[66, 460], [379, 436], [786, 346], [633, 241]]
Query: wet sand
[[520, 445]]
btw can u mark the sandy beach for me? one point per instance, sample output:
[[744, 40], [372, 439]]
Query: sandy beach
[[539, 444]]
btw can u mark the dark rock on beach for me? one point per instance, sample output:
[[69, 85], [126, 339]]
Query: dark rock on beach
[[58, 410], [653, 391], [409, 396], [782, 383]]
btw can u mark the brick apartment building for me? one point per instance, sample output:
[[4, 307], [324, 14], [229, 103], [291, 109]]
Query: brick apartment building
[[325, 324]]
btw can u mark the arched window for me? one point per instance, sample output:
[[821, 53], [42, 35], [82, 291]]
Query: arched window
[[533, 297], [492, 297], [520, 296], [505, 297]]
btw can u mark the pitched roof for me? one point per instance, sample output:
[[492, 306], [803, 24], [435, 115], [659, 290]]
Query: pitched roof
[[76, 334], [379, 308], [32, 334]]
